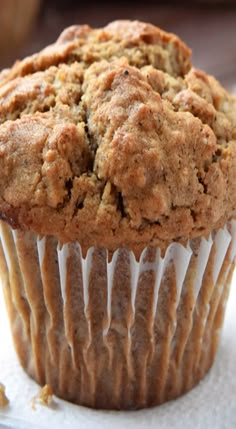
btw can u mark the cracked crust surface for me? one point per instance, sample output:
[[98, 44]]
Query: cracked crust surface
[[112, 138]]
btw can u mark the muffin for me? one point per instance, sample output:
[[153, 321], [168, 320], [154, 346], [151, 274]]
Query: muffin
[[117, 200]]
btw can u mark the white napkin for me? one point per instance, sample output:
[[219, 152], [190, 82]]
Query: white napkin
[[212, 404]]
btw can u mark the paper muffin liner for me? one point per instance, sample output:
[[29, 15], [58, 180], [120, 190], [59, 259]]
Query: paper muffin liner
[[116, 333]]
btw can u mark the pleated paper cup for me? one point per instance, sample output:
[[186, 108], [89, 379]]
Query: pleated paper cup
[[116, 333]]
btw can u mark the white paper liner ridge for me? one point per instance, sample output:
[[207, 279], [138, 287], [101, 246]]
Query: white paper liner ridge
[[200, 408], [176, 254]]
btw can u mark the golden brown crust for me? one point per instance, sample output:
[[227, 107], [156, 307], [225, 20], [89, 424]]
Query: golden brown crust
[[142, 43], [109, 137]]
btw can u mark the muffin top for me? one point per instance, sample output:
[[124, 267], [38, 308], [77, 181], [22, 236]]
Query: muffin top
[[111, 137]]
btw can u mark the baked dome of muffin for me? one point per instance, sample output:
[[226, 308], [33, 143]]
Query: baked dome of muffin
[[111, 137]]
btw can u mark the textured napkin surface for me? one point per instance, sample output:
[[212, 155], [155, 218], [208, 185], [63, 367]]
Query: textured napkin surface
[[212, 404]]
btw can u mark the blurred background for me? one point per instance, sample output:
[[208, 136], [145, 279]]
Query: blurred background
[[208, 27]]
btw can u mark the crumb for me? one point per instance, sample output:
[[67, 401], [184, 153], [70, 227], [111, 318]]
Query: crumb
[[44, 397], [4, 401]]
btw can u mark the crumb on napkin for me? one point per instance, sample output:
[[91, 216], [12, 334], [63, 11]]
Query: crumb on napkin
[[4, 401], [44, 397]]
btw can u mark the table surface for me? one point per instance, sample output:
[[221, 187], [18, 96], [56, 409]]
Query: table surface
[[209, 30]]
